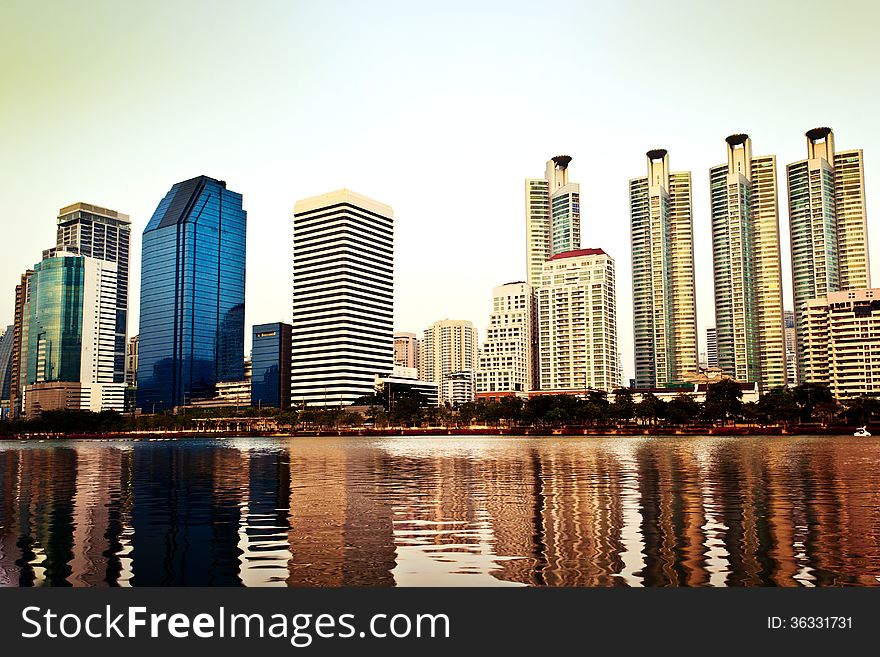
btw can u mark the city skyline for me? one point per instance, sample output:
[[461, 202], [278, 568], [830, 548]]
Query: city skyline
[[290, 141]]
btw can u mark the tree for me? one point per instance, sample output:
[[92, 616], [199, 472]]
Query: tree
[[808, 395], [859, 410], [779, 405], [682, 409], [623, 408], [723, 400], [650, 408]]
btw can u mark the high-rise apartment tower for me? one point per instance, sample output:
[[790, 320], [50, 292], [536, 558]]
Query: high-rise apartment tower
[[664, 299]]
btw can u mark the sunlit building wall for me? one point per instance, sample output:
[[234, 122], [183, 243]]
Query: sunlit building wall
[[507, 359], [577, 322], [747, 266], [664, 296], [553, 216], [828, 223]]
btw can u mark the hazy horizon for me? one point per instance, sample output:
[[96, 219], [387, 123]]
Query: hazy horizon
[[439, 111]]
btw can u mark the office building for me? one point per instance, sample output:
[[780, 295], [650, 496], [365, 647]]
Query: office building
[[711, 347], [840, 343], [104, 234], [71, 334], [828, 222], [577, 322], [192, 295], [553, 216], [6, 341], [507, 360], [664, 298], [790, 349], [405, 379], [458, 388], [343, 297], [19, 344], [131, 362], [448, 345], [270, 358], [747, 265], [406, 350]]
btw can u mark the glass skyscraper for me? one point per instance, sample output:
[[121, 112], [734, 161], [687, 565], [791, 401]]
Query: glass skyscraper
[[6, 341], [103, 234], [270, 365], [192, 295]]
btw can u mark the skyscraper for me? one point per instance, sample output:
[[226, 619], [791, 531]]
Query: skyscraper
[[553, 216], [711, 347], [828, 222], [449, 346], [6, 340], [506, 361], [71, 332], [18, 366], [192, 295], [103, 234], [343, 297], [841, 342], [577, 322], [406, 349], [270, 365], [664, 298], [790, 349], [747, 265]]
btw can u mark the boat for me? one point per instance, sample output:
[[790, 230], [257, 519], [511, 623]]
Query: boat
[[862, 431]]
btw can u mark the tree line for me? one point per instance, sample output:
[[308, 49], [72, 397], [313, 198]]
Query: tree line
[[803, 404]]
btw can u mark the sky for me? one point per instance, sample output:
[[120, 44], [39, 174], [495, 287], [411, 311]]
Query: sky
[[440, 110]]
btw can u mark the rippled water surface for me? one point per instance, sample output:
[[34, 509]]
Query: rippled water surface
[[469, 511]]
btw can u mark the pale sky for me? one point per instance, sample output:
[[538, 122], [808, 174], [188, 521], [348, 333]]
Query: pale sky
[[440, 110]]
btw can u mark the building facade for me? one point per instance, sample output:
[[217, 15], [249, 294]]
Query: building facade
[[577, 322], [131, 362], [664, 297], [6, 341], [711, 347], [790, 349], [103, 234], [553, 216], [343, 298], [192, 295], [71, 334], [19, 344], [747, 265], [840, 344], [828, 223], [270, 362], [507, 360], [448, 345], [406, 350]]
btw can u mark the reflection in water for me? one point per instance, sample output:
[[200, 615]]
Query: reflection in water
[[615, 511]]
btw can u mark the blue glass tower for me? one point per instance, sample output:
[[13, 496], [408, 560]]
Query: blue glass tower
[[192, 295], [270, 358]]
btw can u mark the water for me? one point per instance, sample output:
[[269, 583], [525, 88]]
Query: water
[[459, 511]]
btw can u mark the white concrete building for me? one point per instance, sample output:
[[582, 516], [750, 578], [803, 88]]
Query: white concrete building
[[449, 345], [507, 360], [828, 223], [553, 216], [458, 388], [406, 350], [343, 297], [840, 344], [577, 322]]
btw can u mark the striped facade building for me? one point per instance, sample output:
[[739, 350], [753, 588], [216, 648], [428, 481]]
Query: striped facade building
[[343, 298]]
